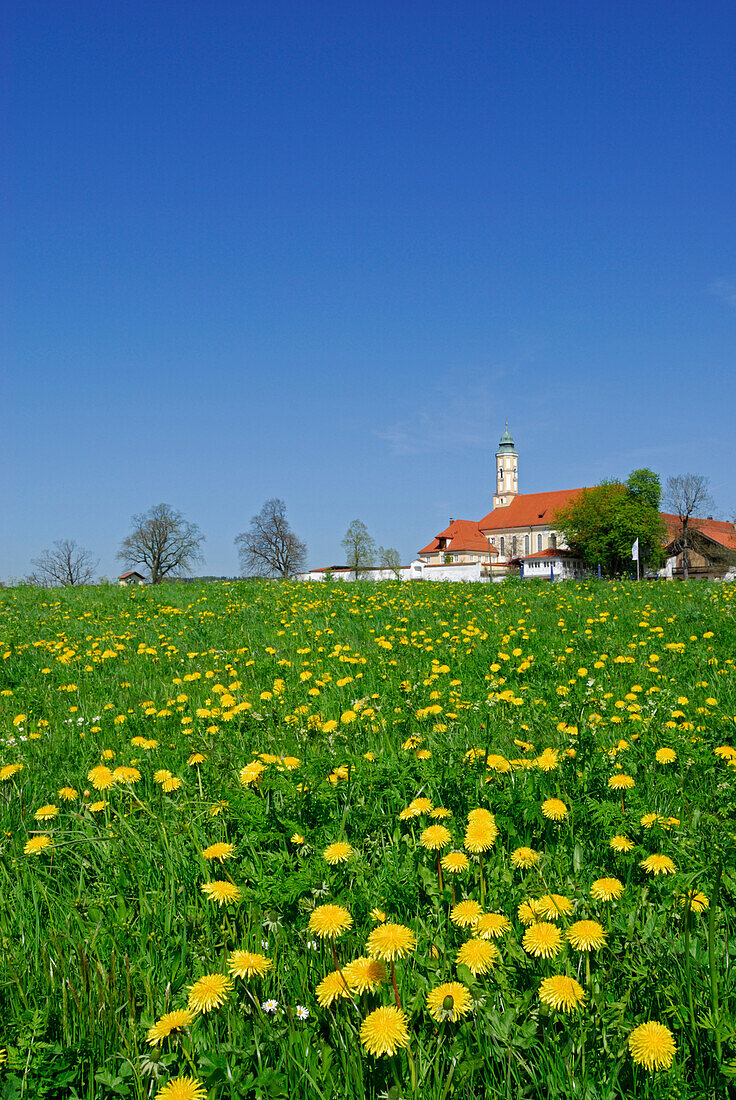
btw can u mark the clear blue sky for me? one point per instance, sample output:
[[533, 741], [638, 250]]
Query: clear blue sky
[[322, 251]]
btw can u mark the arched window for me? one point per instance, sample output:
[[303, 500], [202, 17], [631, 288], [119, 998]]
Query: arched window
[[539, 542], [553, 541], [514, 546], [526, 544], [502, 545]]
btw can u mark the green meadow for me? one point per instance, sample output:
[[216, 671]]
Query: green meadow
[[264, 840]]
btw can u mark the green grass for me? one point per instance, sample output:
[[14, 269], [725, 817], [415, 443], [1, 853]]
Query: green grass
[[105, 930]]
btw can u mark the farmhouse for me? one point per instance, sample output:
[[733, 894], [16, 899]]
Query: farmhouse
[[127, 579], [711, 548]]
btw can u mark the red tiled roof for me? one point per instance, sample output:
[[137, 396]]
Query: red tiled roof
[[461, 535], [714, 529], [132, 573], [549, 553], [528, 510]]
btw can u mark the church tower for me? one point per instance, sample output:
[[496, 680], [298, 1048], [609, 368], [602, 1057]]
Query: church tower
[[507, 471]]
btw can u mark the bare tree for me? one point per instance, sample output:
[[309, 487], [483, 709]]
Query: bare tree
[[162, 541], [685, 494], [269, 548], [390, 560], [359, 547], [67, 564]]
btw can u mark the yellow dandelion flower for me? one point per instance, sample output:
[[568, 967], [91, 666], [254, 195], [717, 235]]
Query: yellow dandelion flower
[[339, 852], [390, 941], [652, 1045], [9, 771], [542, 940], [248, 964], [169, 1023], [586, 935], [364, 974], [208, 992], [162, 775], [479, 955], [554, 906], [223, 892], [68, 794], [409, 812], [455, 862], [658, 865], [182, 1088], [491, 926], [384, 1031], [726, 752], [46, 813], [435, 837], [524, 857], [607, 889], [561, 992], [331, 987], [196, 758], [497, 763], [665, 756], [450, 1001], [695, 900], [297, 838], [330, 921], [101, 777], [220, 850], [554, 809], [423, 805], [173, 783], [125, 774], [465, 913], [440, 813], [528, 911], [37, 844], [480, 835], [621, 843], [621, 782], [97, 807], [251, 773]]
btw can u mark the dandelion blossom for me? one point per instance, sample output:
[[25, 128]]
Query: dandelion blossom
[[695, 900], [554, 809], [478, 955], [331, 987], [339, 852], [384, 1031], [465, 913], [330, 921], [68, 794], [621, 843], [125, 774], [658, 865], [652, 1045], [542, 940], [561, 992], [524, 857], [37, 844], [435, 837], [490, 926], [169, 1023], [454, 863], [364, 974], [220, 851], [101, 777], [607, 889], [248, 964], [223, 892], [554, 906], [665, 756], [449, 1001], [481, 834], [390, 941], [528, 911], [182, 1088], [586, 935], [621, 783], [46, 813], [208, 992]]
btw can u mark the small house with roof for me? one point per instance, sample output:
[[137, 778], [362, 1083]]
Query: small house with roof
[[125, 580]]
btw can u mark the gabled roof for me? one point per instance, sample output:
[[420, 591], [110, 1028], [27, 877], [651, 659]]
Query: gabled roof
[[714, 529], [132, 573], [461, 535], [528, 510], [548, 555]]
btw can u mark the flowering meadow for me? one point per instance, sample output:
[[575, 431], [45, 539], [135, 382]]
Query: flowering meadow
[[267, 840]]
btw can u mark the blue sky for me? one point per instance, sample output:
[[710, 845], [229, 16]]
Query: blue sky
[[322, 251]]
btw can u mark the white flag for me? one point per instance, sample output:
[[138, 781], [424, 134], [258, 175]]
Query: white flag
[[635, 551]]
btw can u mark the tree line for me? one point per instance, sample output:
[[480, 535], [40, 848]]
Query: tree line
[[166, 544]]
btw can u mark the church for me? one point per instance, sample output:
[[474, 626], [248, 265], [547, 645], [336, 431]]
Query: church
[[518, 526]]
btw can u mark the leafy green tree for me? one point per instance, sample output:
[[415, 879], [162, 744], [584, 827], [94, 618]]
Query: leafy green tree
[[600, 525]]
